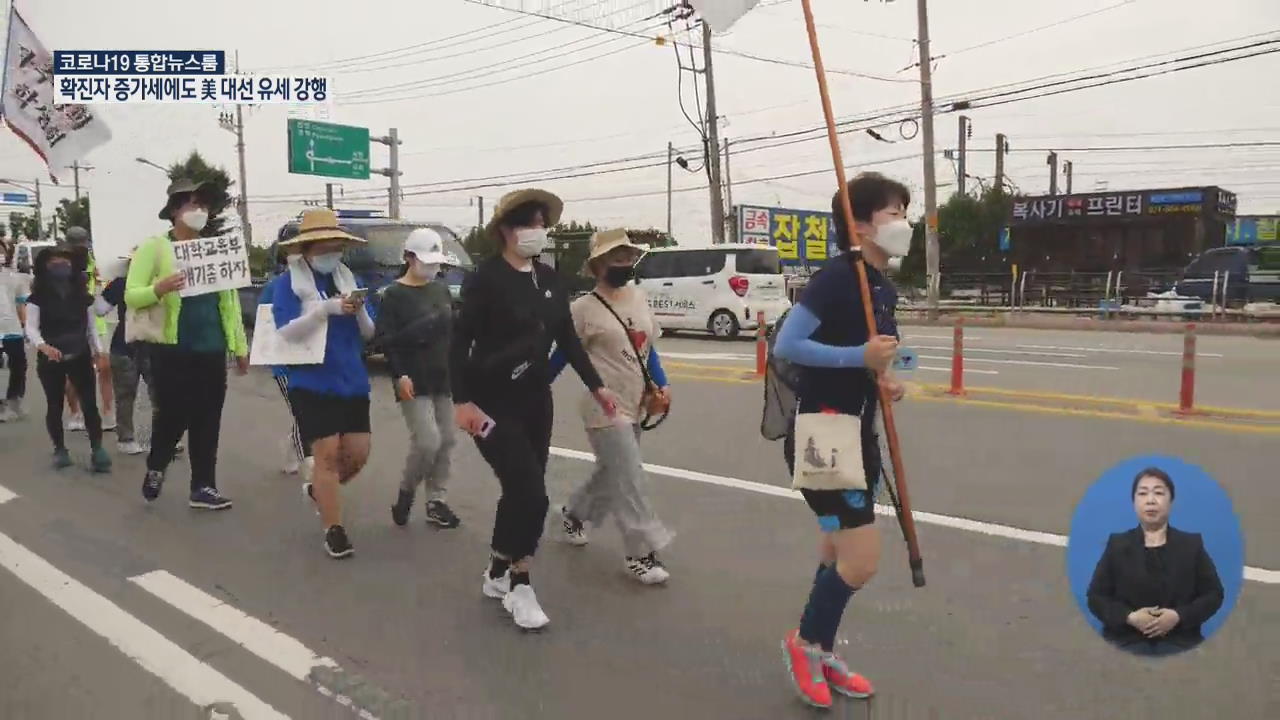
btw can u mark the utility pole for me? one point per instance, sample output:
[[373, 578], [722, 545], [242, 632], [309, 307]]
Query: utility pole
[[670, 155], [328, 195], [1002, 146], [930, 180], [712, 149], [1053, 173], [236, 125], [965, 128], [480, 204], [75, 168], [1066, 169], [392, 140], [728, 188]]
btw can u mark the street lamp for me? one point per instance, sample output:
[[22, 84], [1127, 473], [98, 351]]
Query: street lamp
[[145, 161]]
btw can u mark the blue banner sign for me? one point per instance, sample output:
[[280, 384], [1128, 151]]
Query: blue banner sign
[[1176, 198], [1253, 230], [15, 199]]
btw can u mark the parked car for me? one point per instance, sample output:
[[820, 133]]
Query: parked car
[[375, 263], [1244, 274], [718, 290]]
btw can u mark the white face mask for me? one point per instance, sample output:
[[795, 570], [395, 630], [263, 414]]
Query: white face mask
[[423, 271], [530, 241], [894, 237], [327, 263], [195, 220]]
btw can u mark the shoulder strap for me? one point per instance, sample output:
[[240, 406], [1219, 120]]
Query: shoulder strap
[[626, 331]]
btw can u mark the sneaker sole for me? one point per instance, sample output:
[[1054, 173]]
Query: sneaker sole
[[339, 555], [849, 693], [208, 506], [494, 593], [442, 524], [791, 680], [102, 469]]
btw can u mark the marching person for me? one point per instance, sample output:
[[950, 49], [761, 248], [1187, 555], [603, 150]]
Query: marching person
[[841, 361], [187, 347], [14, 289], [413, 329], [297, 457], [60, 325], [618, 331], [129, 366], [329, 400], [513, 308], [79, 243]]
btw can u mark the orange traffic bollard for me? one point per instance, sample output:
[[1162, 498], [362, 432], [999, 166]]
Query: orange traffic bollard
[[762, 346], [957, 359], [1187, 394]]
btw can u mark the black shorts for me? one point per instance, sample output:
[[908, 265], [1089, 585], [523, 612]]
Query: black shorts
[[320, 416], [842, 509]]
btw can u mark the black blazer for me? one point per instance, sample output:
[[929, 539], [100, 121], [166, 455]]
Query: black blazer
[[1125, 580]]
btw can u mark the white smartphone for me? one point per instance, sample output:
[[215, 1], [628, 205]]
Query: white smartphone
[[357, 296], [487, 427]]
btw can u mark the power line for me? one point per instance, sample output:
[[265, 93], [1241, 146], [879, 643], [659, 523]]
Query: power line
[[1141, 148], [1024, 33], [848, 125]]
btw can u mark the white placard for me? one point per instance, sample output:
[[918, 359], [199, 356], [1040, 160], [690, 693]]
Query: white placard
[[270, 349], [212, 264]]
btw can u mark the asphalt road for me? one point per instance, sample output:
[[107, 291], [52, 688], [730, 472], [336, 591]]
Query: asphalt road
[[116, 609], [1239, 372]]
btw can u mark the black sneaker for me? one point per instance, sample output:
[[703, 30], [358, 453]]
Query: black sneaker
[[209, 499], [438, 513], [151, 485], [400, 511], [336, 542]]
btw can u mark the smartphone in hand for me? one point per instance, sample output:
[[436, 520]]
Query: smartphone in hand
[[358, 296]]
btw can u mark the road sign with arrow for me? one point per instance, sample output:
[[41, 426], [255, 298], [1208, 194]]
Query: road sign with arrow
[[328, 150]]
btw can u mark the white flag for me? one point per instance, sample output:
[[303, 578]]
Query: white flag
[[60, 134], [720, 14]]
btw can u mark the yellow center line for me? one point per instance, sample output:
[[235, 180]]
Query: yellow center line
[[1126, 402]]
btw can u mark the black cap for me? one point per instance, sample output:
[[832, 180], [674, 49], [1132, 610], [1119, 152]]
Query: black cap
[[181, 186]]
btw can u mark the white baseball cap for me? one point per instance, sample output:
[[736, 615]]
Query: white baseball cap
[[426, 245]]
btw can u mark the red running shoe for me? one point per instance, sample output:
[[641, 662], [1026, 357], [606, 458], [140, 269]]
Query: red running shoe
[[805, 668], [843, 680]]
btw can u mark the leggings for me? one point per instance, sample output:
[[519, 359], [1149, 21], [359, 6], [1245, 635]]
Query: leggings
[[295, 438], [53, 377], [517, 449], [190, 390]]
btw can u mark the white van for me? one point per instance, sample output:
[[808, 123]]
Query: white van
[[717, 289], [25, 256]]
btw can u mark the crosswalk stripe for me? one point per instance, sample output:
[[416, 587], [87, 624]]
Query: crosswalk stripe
[[195, 680]]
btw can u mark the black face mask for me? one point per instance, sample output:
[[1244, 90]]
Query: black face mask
[[60, 272], [619, 275]]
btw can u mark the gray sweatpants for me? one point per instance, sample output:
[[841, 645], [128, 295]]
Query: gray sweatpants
[[617, 487], [431, 441], [126, 372]]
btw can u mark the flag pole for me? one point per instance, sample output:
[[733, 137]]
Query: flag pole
[[886, 402]]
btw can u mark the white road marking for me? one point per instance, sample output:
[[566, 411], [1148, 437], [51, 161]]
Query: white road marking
[[1022, 362], [259, 638], [177, 668], [1177, 353], [250, 633], [706, 356], [909, 336], [966, 370], [6, 495], [968, 349], [1262, 575]]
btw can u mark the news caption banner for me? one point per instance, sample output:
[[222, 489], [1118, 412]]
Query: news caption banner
[[173, 76], [212, 264]]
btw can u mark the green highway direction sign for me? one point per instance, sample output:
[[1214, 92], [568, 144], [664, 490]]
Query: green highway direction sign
[[337, 151]]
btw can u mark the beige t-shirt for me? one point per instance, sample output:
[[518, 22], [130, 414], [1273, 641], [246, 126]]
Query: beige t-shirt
[[611, 350]]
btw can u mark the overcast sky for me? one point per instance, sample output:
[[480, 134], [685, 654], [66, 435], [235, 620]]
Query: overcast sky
[[625, 103]]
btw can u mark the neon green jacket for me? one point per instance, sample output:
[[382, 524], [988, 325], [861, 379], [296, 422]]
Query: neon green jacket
[[152, 261]]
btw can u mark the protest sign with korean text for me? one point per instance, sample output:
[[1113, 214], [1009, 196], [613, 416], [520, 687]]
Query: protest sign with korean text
[[212, 264]]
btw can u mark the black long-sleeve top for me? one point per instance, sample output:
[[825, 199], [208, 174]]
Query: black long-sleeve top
[[1178, 575], [504, 333]]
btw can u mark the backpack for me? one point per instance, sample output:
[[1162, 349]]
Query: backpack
[[781, 386]]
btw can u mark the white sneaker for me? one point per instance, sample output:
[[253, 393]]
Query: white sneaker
[[496, 588], [75, 423], [523, 605], [8, 415], [133, 447], [291, 465], [648, 569], [109, 422]]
